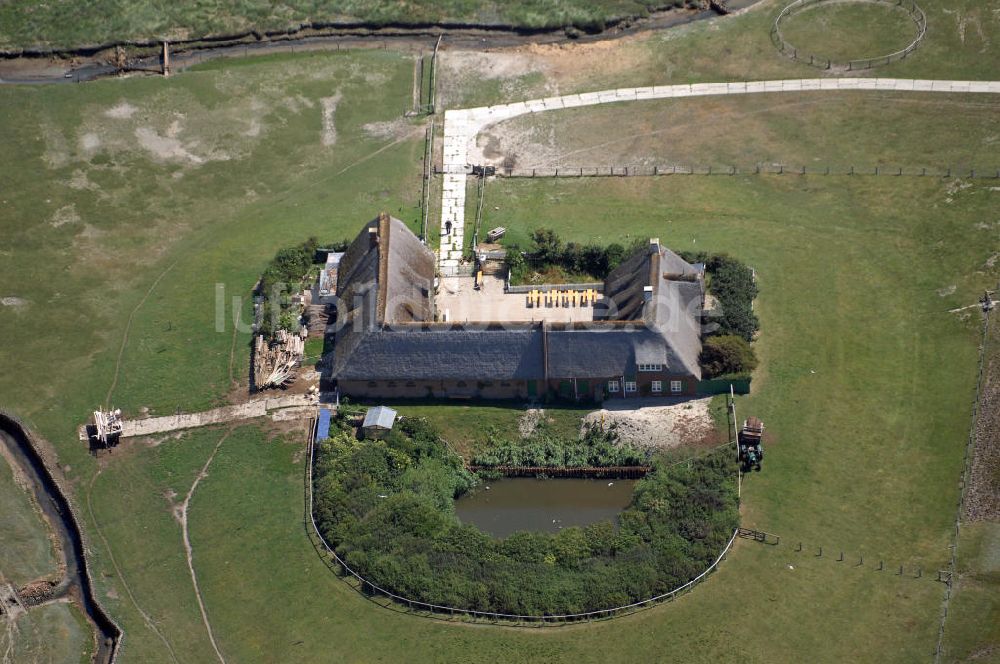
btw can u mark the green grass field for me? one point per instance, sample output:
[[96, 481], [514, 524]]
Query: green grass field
[[51, 634], [27, 552], [838, 131], [126, 201], [850, 32], [29, 24]]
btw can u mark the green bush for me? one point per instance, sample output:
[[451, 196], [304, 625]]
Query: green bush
[[732, 284], [727, 355], [386, 506]]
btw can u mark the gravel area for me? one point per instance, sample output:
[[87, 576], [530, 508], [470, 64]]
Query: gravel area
[[653, 424]]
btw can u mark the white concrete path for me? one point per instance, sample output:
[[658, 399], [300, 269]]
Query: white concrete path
[[463, 125]]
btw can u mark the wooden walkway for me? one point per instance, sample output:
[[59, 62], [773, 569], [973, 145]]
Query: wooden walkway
[[622, 472]]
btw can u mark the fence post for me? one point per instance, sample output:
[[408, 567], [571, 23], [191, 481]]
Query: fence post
[[820, 554], [532, 172], [841, 558], [656, 170]]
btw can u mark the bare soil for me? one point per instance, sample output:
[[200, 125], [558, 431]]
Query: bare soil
[[653, 424], [982, 500]]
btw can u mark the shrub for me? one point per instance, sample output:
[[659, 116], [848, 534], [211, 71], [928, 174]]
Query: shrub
[[726, 355], [385, 506]]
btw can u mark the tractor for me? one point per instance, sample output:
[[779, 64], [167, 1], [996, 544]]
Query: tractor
[[751, 442]]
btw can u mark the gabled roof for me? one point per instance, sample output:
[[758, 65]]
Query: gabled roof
[[385, 312], [659, 289], [382, 417]]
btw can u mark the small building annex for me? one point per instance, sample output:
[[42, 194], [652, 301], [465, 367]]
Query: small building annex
[[641, 337]]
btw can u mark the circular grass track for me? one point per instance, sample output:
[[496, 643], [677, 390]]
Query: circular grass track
[[842, 31], [387, 509]]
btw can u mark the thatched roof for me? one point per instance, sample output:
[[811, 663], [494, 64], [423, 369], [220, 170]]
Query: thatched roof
[[385, 330]]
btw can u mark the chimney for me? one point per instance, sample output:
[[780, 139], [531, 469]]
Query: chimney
[[373, 237], [647, 293], [654, 245]]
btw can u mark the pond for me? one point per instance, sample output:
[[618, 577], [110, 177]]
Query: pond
[[504, 506]]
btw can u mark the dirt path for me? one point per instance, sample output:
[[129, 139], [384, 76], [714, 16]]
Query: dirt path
[[128, 326], [150, 624], [189, 552]]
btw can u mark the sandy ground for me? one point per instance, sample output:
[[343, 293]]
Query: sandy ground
[[654, 424]]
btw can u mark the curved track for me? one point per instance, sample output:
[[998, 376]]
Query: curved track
[[463, 125]]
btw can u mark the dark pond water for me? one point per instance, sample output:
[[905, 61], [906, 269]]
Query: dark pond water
[[522, 503]]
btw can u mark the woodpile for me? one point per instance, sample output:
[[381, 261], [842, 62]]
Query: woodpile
[[274, 362], [318, 316]]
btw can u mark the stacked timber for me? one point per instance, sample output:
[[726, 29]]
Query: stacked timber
[[275, 361], [318, 316]]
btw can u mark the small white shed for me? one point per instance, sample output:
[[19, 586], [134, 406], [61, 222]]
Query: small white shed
[[378, 422]]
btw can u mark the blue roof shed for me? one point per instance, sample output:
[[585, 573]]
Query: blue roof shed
[[323, 424]]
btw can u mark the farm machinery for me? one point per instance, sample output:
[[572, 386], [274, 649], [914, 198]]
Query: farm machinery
[[751, 444]]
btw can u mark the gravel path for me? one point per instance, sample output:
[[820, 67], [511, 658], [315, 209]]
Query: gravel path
[[461, 127]]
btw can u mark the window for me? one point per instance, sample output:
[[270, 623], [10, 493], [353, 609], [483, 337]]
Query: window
[[657, 385], [650, 367], [630, 386], [612, 386], [676, 386]]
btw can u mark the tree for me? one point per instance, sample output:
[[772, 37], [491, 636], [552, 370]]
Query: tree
[[727, 354], [547, 245]]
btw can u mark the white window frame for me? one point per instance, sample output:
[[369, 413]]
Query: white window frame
[[676, 386], [613, 386], [631, 386], [650, 367], [657, 386]]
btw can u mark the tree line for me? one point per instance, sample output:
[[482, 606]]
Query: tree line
[[387, 507]]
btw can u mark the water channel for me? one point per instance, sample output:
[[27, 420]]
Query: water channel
[[504, 506]]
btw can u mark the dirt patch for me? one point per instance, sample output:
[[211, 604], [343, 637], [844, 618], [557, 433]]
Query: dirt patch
[[394, 129], [982, 501], [329, 126], [11, 301], [165, 148], [529, 421], [653, 425], [65, 215], [122, 111]]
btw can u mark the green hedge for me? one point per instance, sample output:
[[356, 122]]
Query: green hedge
[[387, 507]]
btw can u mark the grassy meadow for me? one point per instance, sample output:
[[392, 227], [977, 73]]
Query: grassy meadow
[[27, 553], [962, 42], [850, 31], [62, 25], [125, 202]]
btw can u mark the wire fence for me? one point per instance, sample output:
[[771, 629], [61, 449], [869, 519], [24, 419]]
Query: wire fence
[[963, 485], [915, 13], [371, 590], [756, 169]]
